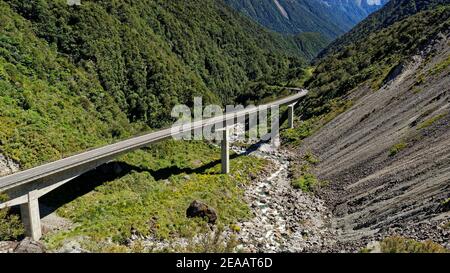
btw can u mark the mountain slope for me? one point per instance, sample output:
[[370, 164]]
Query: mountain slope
[[49, 108], [393, 11], [379, 125], [77, 77], [331, 18], [151, 55]]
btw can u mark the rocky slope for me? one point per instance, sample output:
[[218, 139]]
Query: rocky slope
[[285, 219], [7, 166], [387, 157]]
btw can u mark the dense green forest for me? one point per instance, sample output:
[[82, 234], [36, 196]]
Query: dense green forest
[[75, 77], [59, 95], [151, 55]]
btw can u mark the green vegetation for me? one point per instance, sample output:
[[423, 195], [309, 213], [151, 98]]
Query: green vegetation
[[329, 18], [309, 43], [300, 76], [153, 200], [397, 148], [151, 55], [74, 78], [311, 158], [10, 225], [399, 244], [441, 67], [429, 122], [301, 131], [306, 182], [372, 62], [302, 177], [394, 11], [48, 107]]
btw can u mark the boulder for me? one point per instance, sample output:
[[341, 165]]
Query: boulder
[[8, 246], [200, 209], [28, 245]]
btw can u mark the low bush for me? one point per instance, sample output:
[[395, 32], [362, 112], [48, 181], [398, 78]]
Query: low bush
[[11, 227], [306, 182], [397, 148], [398, 244]]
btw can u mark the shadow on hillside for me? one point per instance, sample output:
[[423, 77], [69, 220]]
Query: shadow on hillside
[[107, 173]]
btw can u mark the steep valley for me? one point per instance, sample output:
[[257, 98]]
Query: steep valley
[[386, 158], [368, 159]]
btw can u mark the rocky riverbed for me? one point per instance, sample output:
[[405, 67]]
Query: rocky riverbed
[[286, 220]]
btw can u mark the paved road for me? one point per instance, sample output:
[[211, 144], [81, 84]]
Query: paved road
[[77, 164]]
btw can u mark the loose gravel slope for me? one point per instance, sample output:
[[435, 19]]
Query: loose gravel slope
[[388, 157]]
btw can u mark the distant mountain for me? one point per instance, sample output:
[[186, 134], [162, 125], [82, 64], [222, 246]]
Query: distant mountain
[[330, 18], [394, 11]]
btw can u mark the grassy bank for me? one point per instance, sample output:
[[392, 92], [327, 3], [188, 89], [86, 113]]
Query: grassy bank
[[153, 197]]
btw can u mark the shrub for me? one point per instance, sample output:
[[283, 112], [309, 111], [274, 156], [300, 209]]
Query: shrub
[[439, 68], [397, 148], [429, 122], [398, 244], [311, 158], [306, 182], [10, 225]]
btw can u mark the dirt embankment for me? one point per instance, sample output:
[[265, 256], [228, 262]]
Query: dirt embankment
[[388, 157]]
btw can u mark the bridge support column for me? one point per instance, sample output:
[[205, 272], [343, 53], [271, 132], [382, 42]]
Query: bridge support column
[[226, 151], [31, 218], [291, 116]]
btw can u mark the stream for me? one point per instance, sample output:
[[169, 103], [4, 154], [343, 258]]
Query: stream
[[285, 219]]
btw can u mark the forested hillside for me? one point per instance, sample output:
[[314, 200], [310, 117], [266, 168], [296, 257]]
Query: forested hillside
[[49, 108], [151, 55], [372, 58], [394, 11], [74, 77]]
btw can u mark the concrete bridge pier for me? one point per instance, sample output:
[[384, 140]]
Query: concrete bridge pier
[[291, 116], [225, 153], [31, 218]]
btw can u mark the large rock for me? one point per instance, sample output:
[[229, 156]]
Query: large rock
[[28, 245], [8, 247], [199, 209], [7, 166]]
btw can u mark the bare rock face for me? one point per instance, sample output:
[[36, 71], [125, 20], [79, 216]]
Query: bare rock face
[[28, 245], [7, 166], [199, 209]]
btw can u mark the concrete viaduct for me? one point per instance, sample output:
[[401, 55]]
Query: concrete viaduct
[[24, 188]]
